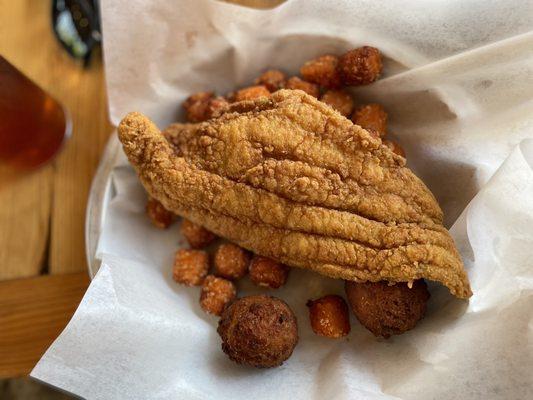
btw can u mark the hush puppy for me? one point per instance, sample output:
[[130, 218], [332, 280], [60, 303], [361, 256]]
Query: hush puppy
[[260, 331], [385, 309]]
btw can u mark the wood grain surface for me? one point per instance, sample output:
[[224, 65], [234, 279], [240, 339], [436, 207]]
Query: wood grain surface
[[33, 312]]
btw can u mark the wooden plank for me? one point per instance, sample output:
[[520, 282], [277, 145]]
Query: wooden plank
[[24, 222], [76, 166], [33, 312]]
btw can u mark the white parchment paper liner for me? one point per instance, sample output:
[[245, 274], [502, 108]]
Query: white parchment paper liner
[[458, 83]]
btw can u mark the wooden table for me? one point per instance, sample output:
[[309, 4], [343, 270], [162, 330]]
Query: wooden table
[[43, 271]]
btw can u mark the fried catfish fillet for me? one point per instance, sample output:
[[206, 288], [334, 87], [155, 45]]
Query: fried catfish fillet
[[289, 178]]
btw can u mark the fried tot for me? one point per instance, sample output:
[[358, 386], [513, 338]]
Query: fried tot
[[266, 272], [190, 267], [217, 293], [339, 100], [329, 316], [197, 236], [395, 147], [273, 80], [158, 215], [360, 66], [371, 117], [307, 87], [323, 71], [203, 106], [231, 261], [251, 93], [196, 106]]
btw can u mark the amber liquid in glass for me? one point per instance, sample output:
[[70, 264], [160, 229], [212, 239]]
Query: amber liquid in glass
[[33, 125]]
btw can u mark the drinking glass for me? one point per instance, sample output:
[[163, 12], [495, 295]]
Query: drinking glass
[[33, 125]]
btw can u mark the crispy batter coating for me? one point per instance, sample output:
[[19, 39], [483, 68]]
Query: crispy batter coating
[[339, 100], [190, 267], [260, 331], [158, 215], [273, 79], [296, 83], [323, 71], [288, 178], [268, 273], [329, 316], [395, 147], [231, 261], [385, 309], [360, 66], [371, 117], [217, 293], [251, 93], [197, 236], [203, 106]]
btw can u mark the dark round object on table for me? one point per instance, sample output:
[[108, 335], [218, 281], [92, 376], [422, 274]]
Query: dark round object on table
[[260, 331], [385, 309]]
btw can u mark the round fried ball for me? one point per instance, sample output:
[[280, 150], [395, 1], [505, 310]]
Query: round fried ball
[[216, 107], [329, 316], [217, 294], [202, 106], [385, 309], [251, 93], [322, 71], [296, 83], [371, 117], [231, 261], [273, 79], [268, 273], [190, 267], [196, 106], [158, 215], [339, 100], [360, 66], [260, 331]]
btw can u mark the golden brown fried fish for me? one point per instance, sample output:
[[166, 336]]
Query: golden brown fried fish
[[289, 178]]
